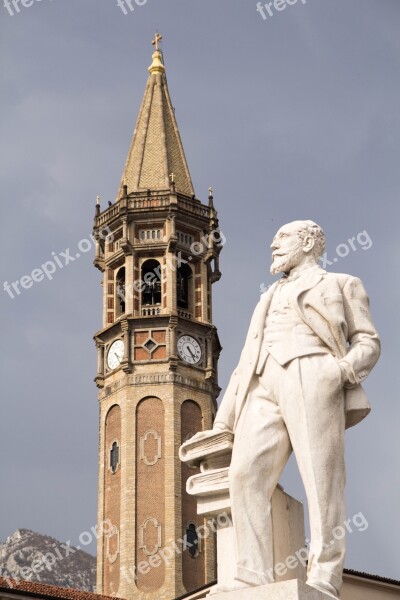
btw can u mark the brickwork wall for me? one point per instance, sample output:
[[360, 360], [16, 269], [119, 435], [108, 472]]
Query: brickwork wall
[[150, 490], [193, 571], [112, 502]]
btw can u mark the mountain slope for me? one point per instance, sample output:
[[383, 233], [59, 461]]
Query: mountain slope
[[35, 557]]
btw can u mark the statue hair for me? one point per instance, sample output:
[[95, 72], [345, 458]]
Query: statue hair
[[309, 228]]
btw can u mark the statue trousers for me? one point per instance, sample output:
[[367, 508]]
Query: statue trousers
[[298, 407]]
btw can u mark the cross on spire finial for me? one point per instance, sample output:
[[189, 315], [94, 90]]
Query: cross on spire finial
[[156, 40], [157, 66]]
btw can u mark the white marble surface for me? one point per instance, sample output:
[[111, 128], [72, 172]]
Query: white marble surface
[[288, 590], [310, 344], [211, 488]]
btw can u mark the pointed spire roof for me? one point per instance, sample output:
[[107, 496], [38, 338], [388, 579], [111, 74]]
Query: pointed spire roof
[[156, 149]]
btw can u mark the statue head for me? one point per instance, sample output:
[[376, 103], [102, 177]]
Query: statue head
[[295, 244]]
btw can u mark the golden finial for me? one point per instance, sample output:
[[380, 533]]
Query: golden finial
[[172, 177], [157, 65]]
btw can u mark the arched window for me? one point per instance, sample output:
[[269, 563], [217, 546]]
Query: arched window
[[151, 283], [114, 457], [192, 540], [183, 284], [120, 291]]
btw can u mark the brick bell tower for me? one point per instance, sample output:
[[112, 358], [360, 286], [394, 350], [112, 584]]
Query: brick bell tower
[[157, 360]]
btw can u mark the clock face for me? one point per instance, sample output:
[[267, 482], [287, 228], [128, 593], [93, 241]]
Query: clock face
[[189, 349], [115, 354]]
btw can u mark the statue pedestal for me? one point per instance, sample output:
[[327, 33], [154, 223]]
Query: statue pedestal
[[212, 452], [285, 590]]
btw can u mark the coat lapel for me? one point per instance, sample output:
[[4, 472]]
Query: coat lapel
[[319, 325], [307, 281]]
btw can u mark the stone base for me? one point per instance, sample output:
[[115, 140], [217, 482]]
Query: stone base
[[294, 589]]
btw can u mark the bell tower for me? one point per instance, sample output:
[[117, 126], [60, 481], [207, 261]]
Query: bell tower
[[157, 247]]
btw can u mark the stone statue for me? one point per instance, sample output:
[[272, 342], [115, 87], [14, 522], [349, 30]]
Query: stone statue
[[311, 342]]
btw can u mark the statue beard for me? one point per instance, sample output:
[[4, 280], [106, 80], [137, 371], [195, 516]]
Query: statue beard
[[288, 261]]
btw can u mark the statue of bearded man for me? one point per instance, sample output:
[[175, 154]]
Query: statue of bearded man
[[311, 342]]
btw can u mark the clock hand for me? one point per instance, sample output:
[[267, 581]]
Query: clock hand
[[188, 348]]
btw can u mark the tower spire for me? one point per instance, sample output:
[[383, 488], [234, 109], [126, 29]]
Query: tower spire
[[156, 149]]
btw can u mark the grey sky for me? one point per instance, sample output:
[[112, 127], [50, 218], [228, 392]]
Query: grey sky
[[293, 117]]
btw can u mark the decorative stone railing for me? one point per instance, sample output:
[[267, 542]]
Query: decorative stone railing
[[185, 314], [154, 201], [151, 311]]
